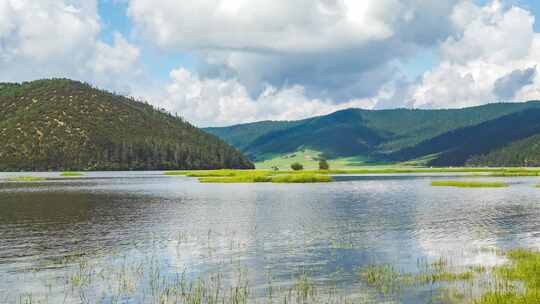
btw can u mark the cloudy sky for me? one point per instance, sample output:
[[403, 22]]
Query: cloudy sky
[[220, 62]]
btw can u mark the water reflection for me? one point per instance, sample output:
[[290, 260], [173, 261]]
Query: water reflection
[[282, 231]]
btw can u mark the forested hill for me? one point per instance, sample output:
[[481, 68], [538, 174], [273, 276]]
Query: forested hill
[[61, 124], [476, 135]]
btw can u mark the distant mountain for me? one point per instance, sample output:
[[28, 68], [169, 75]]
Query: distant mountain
[[441, 137], [243, 135], [67, 125], [459, 146]]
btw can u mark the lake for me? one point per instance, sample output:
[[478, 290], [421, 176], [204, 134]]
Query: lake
[[118, 237]]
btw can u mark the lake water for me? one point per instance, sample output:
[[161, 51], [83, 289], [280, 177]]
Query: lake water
[[264, 234]]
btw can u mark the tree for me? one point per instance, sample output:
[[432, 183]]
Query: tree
[[323, 164], [297, 167]]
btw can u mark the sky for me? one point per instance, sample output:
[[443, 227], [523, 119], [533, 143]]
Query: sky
[[223, 62]]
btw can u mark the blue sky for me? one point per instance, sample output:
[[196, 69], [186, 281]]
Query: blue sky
[[220, 62], [157, 62]]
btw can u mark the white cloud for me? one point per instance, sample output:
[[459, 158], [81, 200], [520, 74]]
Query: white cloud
[[495, 41], [282, 59], [337, 49], [225, 101], [60, 38]]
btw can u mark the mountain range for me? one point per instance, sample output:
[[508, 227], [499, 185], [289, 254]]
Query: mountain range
[[60, 124], [497, 134]]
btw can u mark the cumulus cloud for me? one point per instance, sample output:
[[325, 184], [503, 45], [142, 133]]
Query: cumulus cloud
[[334, 53], [60, 38], [224, 101], [283, 59], [490, 60], [334, 49]]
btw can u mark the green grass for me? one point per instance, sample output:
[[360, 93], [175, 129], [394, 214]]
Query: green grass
[[314, 176], [258, 177], [137, 279], [310, 160], [244, 178], [468, 184], [517, 283], [26, 179], [71, 174], [209, 173], [513, 174], [371, 170], [301, 178]]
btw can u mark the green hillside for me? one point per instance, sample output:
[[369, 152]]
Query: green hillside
[[382, 135], [243, 135], [67, 125], [458, 146], [525, 152]]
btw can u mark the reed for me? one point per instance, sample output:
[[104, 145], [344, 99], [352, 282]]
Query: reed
[[468, 184]]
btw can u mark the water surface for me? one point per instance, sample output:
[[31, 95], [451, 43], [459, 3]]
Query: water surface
[[265, 232]]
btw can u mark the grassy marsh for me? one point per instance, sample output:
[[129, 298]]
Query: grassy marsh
[[513, 174], [468, 184], [301, 178], [313, 176], [71, 174], [121, 279], [26, 179], [403, 170], [517, 282], [258, 177]]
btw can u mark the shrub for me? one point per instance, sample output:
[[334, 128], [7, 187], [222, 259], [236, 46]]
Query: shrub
[[323, 164], [297, 167]]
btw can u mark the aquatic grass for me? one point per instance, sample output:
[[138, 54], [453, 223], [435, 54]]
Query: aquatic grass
[[384, 278], [513, 174], [389, 281], [71, 174], [129, 279], [123, 280], [237, 179], [268, 178], [216, 173], [245, 175], [174, 173], [26, 179], [445, 276], [316, 176], [468, 184], [301, 178], [516, 283]]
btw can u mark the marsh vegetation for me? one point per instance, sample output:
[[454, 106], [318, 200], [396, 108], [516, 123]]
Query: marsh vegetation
[[145, 238], [121, 278], [325, 175], [468, 184], [26, 179], [71, 174]]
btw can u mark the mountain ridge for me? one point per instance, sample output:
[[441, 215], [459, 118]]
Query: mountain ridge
[[61, 124], [377, 134]]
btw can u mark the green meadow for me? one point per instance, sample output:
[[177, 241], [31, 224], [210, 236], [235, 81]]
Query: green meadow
[[468, 184]]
